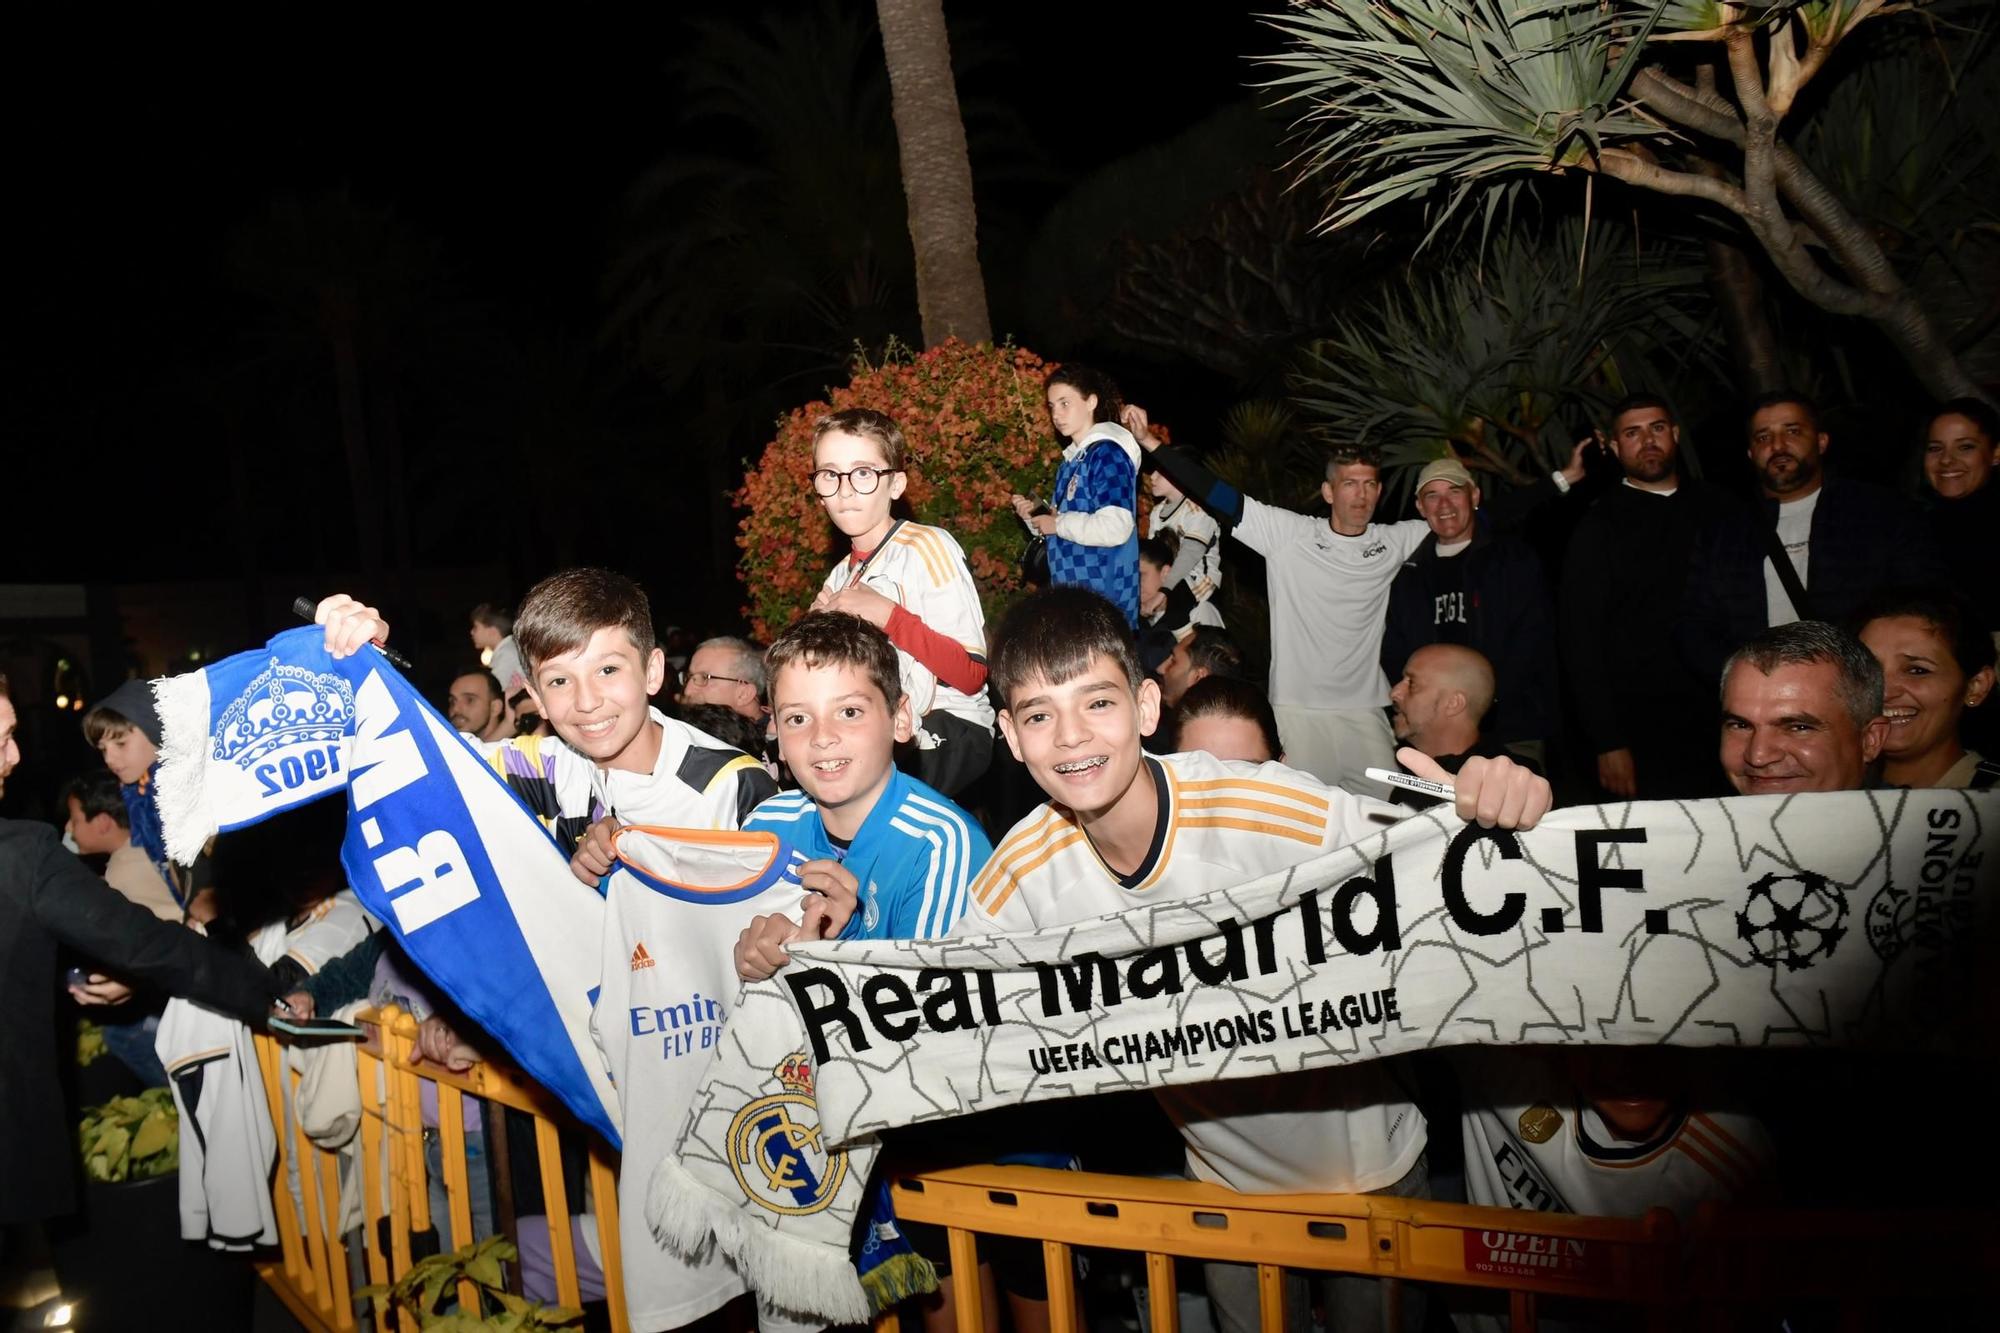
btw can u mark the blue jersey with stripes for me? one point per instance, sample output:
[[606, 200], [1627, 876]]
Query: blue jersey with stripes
[[913, 857]]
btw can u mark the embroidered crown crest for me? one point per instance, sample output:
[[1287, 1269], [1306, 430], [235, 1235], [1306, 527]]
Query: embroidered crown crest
[[284, 706], [796, 1073]]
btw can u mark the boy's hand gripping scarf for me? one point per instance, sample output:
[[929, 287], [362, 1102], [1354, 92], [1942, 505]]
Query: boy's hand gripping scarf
[[438, 848], [1818, 920]]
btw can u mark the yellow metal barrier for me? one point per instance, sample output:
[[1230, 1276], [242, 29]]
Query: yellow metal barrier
[[1664, 1274], [311, 1273]]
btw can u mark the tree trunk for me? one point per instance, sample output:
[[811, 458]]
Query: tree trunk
[[1739, 292], [1867, 286], [937, 171]]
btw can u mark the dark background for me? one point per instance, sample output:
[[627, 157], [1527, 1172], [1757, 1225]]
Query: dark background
[[152, 146]]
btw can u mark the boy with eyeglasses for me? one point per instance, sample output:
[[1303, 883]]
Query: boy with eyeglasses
[[910, 581]]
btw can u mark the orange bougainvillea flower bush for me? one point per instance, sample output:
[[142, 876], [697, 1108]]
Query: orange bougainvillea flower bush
[[978, 431]]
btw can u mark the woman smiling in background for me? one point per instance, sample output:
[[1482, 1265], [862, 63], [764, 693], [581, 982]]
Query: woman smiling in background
[[1936, 664]]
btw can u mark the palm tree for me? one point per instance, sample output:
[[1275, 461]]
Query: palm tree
[[1502, 357], [937, 171], [1457, 100]]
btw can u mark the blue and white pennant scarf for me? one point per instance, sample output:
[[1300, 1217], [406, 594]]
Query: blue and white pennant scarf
[[438, 847]]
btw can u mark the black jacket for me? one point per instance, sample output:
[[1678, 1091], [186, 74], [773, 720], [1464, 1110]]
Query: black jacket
[[47, 897], [1624, 578], [1508, 620], [1966, 531], [1863, 538]]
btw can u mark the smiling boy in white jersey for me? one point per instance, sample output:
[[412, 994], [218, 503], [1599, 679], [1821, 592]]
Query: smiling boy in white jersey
[[1123, 828], [586, 636]]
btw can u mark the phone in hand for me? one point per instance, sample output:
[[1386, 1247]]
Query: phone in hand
[[321, 1028], [79, 976]]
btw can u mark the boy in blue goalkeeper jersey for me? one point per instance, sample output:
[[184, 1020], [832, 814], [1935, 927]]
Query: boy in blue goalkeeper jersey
[[881, 855]]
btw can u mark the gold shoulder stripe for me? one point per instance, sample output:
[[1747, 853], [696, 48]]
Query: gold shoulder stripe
[[730, 770], [1297, 794], [1016, 873], [915, 537], [1703, 1137], [1314, 819], [1026, 841], [1253, 826], [1026, 832], [1703, 1155]]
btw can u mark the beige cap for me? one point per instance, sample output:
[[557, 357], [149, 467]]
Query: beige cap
[[1444, 469]]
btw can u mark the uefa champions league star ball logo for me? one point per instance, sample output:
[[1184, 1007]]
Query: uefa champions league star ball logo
[[1792, 921]]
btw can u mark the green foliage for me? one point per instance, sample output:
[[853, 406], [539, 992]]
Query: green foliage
[[90, 1046], [131, 1138], [977, 432], [1910, 138], [1400, 99], [1264, 453], [1503, 361], [436, 1279]]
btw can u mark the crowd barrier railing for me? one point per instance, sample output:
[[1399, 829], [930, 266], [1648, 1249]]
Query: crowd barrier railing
[[1862, 1270], [311, 1272], [1864, 1267]]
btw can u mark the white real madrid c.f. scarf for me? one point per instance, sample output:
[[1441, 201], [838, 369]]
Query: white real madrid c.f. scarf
[[1819, 920]]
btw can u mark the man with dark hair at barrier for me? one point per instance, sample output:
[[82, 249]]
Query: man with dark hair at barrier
[[1801, 711], [99, 825], [1203, 652], [48, 897], [1644, 714], [476, 706], [1813, 547]]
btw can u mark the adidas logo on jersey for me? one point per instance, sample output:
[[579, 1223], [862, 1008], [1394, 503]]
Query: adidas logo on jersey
[[640, 958]]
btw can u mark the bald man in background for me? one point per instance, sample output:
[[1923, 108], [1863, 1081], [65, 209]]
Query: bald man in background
[[1437, 706]]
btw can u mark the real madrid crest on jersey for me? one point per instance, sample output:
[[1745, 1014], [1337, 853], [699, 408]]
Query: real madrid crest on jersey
[[776, 1147], [287, 732], [1540, 1122]]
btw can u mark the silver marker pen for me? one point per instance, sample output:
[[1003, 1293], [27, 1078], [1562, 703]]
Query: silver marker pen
[[1410, 782]]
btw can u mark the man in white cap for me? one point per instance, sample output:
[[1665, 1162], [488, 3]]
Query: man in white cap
[[1329, 586], [1466, 584]]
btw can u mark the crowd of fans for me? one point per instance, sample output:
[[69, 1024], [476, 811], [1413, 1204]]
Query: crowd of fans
[[1830, 636]]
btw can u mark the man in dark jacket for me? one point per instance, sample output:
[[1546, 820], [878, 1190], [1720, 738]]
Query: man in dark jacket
[[1648, 718], [1841, 540], [1467, 585], [48, 897]]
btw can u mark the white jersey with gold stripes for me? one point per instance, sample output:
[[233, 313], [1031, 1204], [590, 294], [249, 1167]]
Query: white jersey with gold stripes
[[1532, 1142], [923, 570], [1223, 822]]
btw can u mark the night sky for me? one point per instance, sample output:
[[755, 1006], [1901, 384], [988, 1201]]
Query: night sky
[[143, 144]]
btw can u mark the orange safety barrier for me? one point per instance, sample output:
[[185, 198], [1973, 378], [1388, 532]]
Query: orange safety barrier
[[1664, 1275], [1863, 1266], [311, 1275]]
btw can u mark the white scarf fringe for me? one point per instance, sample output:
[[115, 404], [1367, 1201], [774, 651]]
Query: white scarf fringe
[[182, 703], [799, 1276]]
